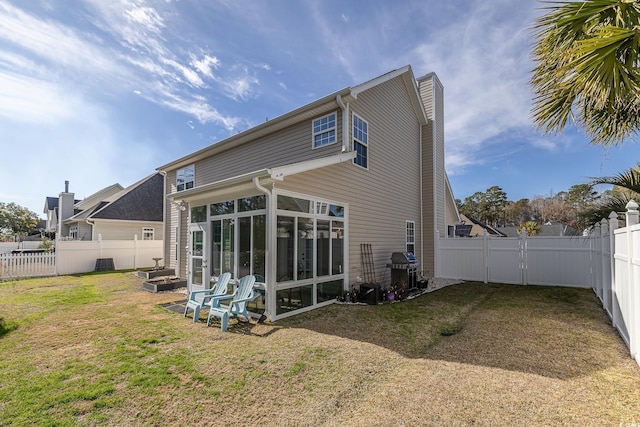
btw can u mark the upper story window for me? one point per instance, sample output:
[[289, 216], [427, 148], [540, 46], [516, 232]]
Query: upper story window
[[185, 178], [324, 131], [411, 236], [147, 233], [73, 232], [361, 141]]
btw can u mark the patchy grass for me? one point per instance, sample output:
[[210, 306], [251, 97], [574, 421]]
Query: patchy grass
[[96, 350]]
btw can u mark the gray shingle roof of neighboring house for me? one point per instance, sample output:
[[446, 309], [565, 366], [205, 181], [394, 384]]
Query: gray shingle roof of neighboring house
[[88, 212], [142, 201], [51, 203], [478, 228]]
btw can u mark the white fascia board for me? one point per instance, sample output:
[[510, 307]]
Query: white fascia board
[[378, 80], [245, 181], [281, 172], [193, 193]]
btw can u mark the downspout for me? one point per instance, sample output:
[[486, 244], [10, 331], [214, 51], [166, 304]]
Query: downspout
[[345, 148], [88, 221], [421, 204], [167, 259], [345, 122], [270, 297]]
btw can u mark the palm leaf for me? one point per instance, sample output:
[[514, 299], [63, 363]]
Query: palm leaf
[[587, 57]]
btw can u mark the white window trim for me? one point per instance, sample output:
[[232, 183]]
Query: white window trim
[[73, 232], [150, 231], [314, 133], [410, 237], [193, 181], [355, 140]]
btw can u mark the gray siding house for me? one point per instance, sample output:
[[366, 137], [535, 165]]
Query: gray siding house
[[293, 199]]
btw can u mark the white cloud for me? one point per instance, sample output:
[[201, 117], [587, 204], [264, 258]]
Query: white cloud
[[483, 62], [147, 17], [26, 99], [206, 65], [54, 42]]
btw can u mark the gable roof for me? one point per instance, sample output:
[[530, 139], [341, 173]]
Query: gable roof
[[477, 228], [142, 201], [98, 196], [306, 112], [51, 203]]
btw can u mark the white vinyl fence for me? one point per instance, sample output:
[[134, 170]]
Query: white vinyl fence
[[14, 266], [554, 261], [80, 256], [608, 261]]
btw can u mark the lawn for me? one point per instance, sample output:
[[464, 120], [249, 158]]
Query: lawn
[[96, 350]]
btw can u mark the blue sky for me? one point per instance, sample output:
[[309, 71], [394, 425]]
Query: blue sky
[[98, 92]]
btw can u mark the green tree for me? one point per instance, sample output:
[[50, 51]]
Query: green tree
[[626, 187], [471, 205], [531, 227], [16, 220], [587, 56], [492, 205]]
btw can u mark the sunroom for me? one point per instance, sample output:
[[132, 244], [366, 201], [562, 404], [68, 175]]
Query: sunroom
[[295, 244]]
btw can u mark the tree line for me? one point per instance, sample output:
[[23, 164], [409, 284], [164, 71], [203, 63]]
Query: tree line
[[580, 207]]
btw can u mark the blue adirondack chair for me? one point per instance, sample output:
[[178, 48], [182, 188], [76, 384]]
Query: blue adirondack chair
[[219, 289], [238, 304]]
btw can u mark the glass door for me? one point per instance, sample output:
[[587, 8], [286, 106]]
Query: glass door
[[198, 270], [223, 255]]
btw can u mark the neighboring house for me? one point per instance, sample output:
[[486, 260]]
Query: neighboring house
[[51, 210], [549, 229], [113, 213], [293, 199], [470, 227]]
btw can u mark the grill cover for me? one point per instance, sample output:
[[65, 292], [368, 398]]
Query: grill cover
[[403, 258]]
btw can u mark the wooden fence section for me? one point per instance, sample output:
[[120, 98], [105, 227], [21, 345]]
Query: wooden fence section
[[14, 266]]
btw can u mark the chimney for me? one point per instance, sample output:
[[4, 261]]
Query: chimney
[[65, 210]]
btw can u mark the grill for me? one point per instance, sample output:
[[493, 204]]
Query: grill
[[404, 267]]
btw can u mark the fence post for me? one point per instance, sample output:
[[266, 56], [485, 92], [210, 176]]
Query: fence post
[[485, 254], [632, 216], [603, 230], [522, 240], [613, 225], [135, 250]]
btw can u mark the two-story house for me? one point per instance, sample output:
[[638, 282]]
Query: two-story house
[[293, 200]]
